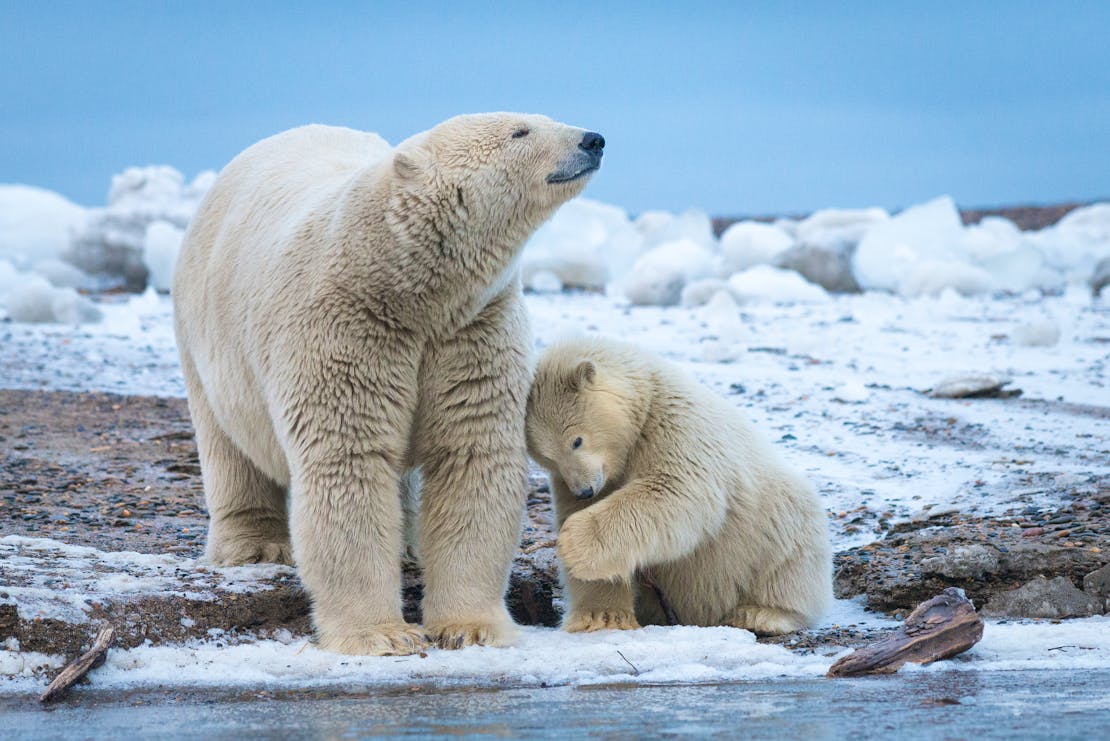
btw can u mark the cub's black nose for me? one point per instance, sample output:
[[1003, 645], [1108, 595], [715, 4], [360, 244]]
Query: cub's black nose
[[592, 142], [586, 492]]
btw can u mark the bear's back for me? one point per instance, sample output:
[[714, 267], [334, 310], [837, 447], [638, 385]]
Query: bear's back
[[290, 175]]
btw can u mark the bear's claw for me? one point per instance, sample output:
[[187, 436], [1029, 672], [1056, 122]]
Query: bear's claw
[[387, 639], [241, 552], [587, 621], [459, 635]]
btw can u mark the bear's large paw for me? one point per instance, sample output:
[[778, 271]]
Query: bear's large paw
[[583, 553], [767, 621], [387, 639], [454, 635], [237, 552], [587, 621]]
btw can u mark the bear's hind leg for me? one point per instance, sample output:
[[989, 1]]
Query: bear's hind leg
[[248, 520], [767, 621], [793, 595]]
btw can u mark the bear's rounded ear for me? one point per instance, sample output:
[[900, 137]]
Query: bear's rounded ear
[[584, 374], [411, 164]]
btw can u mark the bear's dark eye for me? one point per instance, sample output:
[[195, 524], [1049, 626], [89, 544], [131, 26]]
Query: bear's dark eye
[[519, 133], [577, 443]]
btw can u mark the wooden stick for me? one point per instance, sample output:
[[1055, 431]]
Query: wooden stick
[[79, 667], [648, 580], [939, 628]]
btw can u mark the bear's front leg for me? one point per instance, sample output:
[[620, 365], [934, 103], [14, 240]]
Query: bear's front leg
[[653, 519], [589, 552], [470, 447], [347, 434], [591, 605]]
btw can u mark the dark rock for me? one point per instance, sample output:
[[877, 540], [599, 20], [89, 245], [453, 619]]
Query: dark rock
[[1043, 598], [906, 568], [964, 562], [1097, 584]]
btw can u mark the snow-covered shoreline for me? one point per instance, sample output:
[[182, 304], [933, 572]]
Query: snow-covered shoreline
[[837, 380], [838, 384]]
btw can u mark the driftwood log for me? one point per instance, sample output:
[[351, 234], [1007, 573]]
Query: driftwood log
[[939, 628], [79, 667]]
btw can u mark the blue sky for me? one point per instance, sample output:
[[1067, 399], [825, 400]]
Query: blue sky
[[735, 108]]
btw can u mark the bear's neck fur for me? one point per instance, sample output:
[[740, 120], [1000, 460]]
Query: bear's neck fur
[[428, 259]]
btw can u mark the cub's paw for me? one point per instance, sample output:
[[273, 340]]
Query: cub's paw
[[241, 551], [587, 621], [583, 553], [452, 635], [386, 639], [767, 621]]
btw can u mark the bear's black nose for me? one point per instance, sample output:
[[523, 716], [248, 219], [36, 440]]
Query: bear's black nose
[[592, 142], [586, 492]]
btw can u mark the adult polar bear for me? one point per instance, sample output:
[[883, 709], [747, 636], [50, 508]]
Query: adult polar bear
[[346, 311]]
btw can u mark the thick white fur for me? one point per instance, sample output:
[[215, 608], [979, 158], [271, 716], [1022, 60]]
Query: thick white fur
[[346, 312], [687, 488]]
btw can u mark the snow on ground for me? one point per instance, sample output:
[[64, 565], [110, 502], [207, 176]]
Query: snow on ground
[[49, 579], [836, 380], [838, 384], [542, 656]]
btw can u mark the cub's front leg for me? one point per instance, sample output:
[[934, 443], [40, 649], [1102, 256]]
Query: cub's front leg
[[650, 520], [591, 605]]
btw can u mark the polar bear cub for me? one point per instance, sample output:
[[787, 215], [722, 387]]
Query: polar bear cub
[[651, 470]]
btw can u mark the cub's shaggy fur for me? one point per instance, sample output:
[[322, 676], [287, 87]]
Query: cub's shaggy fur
[[650, 469], [346, 312]]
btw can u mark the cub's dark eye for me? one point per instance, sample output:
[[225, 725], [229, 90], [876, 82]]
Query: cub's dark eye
[[577, 443], [520, 133]]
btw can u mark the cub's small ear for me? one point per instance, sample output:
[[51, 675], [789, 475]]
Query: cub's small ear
[[411, 164], [584, 374]]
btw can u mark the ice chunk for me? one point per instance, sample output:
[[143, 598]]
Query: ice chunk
[[35, 300], [35, 224], [160, 249], [545, 281], [1100, 276], [586, 244], [62, 274], [722, 317], [1075, 244], [838, 229], [701, 291], [658, 277], [830, 268], [660, 227], [749, 243], [112, 241], [933, 277], [9, 278], [851, 392], [1045, 333], [765, 283], [892, 249]]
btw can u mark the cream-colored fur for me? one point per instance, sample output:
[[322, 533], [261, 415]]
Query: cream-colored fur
[[684, 486], [346, 312]]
